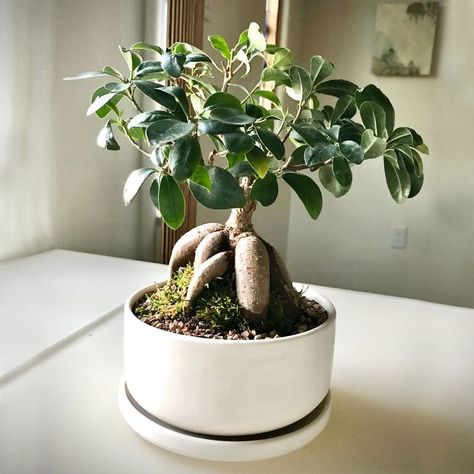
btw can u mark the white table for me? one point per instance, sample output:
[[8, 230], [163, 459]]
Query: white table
[[403, 390]]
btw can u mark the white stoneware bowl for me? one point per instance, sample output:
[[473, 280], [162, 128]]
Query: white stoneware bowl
[[228, 388]]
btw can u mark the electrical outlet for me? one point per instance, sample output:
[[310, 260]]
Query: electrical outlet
[[399, 237]]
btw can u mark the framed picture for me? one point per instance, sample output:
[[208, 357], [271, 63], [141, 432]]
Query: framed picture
[[404, 38]]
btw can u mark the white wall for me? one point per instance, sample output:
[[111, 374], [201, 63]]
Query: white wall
[[25, 95], [349, 246], [230, 18], [88, 214], [57, 188]]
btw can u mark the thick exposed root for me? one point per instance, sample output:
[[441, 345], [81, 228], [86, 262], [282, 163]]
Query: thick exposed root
[[183, 251], [280, 281], [212, 268], [211, 244], [252, 276]]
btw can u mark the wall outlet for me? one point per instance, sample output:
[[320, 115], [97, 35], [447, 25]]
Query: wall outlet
[[399, 237]]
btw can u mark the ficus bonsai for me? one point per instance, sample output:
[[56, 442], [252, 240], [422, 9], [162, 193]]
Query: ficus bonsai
[[261, 137]]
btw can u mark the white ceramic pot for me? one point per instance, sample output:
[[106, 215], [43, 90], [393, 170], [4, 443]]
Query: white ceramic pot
[[222, 387]]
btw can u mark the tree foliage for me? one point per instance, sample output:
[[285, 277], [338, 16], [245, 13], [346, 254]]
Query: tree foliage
[[197, 97]]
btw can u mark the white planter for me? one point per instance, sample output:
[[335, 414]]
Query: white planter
[[221, 387]]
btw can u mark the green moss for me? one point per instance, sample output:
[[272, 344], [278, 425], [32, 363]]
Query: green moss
[[216, 306], [169, 300]]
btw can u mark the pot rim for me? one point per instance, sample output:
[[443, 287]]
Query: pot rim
[[321, 299]]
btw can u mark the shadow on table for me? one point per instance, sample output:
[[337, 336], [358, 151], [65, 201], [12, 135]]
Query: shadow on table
[[366, 437]]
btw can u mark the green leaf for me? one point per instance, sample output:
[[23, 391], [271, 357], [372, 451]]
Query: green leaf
[[156, 92], [272, 74], [404, 177], [400, 136], [173, 63], [238, 142], [297, 156], [99, 102], [241, 169], [147, 47], [344, 108], [158, 157], [255, 111], [352, 151], [398, 180], [146, 118], [418, 163], [183, 48], [197, 58], [233, 158], [268, 95], [225, 191], [301, 85], [215, 127], [87, 75], [110, 103], [272, 142], [350, 131], [150, 70], [231, 116], [168, 130], [373, 117], [106, 138], [171, 202], [336, 88], [423, 148], [154, 190], [265, 190], [220, 44], [310, 134], [416, 183], [184, 158], [259, 161], [110, 70], [243, 38], [223, 99], [342, 171], [117, 86], [319, 153], [132, 59], [329, 181], [282, 58], [372, 93], [405, 152], [391, 156], [307, 190], [201, 177], [417, 140], [332, 132], [320, 69], [373, 146], [256, 39], [180, 94], [134, 183]]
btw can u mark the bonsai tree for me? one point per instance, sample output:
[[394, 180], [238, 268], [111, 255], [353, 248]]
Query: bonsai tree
[[261, 138]]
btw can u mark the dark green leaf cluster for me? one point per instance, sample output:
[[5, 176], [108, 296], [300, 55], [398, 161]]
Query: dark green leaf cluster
[[195, 97]]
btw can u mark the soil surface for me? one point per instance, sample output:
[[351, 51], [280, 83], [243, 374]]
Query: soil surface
[[312, 315]]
